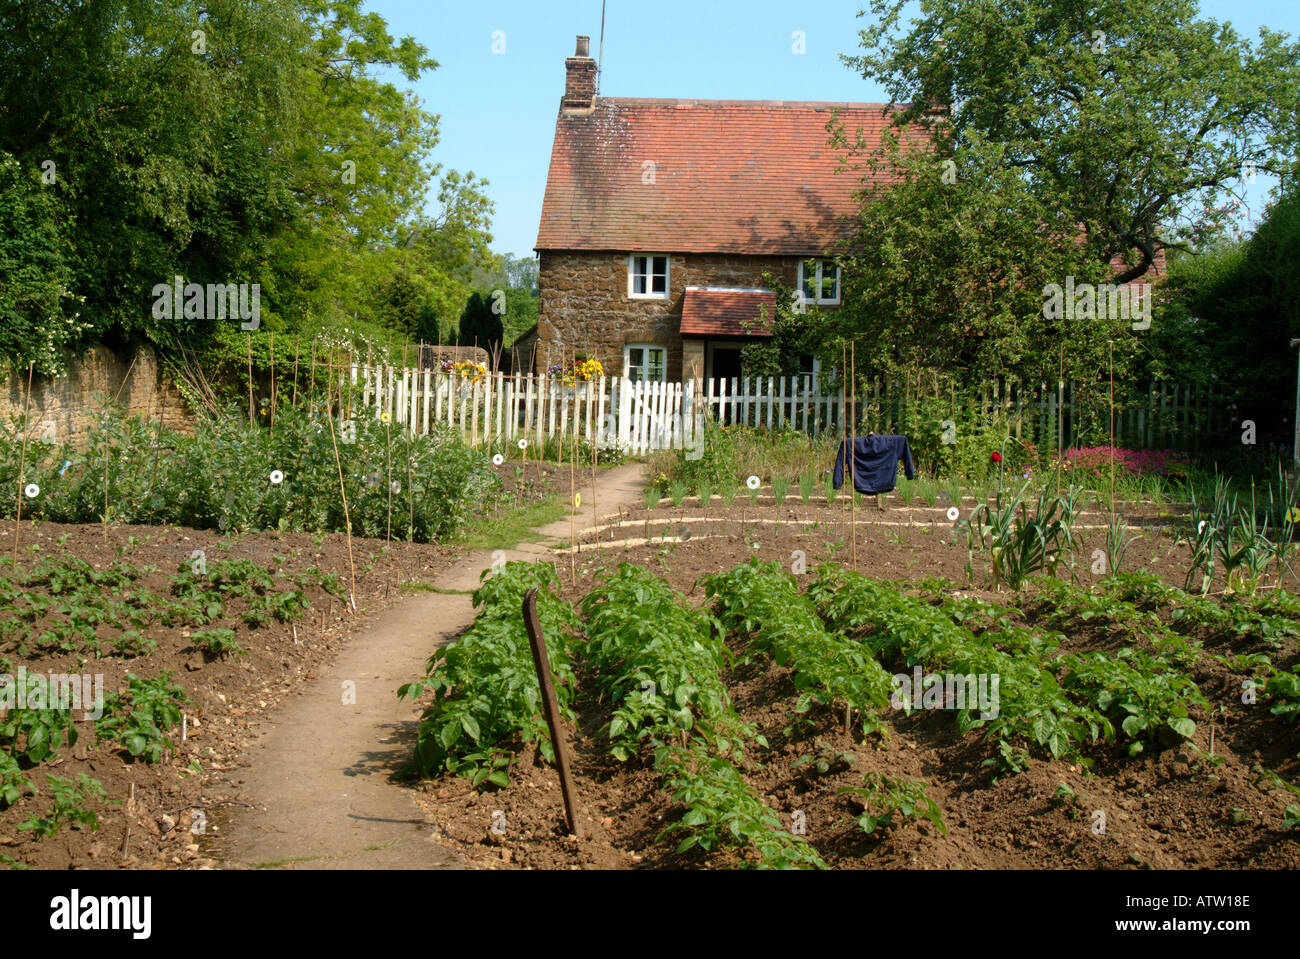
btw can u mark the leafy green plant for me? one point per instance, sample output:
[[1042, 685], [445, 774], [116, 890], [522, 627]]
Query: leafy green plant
[[658, 662], [1148, 698], [728, 490], [806, 483], [35, 734], [484, 684], [901, 629], [217, 642], [1020, 542], [140, 718], [71, 806], [722, 809], [1284, 687], [678, 492], [762, 603], [827, 759], [13, 783], [887, 801], [780, 489]]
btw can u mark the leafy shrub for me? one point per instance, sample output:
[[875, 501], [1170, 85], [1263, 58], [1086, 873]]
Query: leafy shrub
[[234, 476]]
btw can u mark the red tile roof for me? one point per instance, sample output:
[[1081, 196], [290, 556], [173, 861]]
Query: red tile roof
[[718, 312], [729, 176]]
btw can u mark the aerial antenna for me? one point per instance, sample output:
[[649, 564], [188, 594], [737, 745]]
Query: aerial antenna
[[600, 56]]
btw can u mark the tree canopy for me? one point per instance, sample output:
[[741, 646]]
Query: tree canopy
[[224, 142]]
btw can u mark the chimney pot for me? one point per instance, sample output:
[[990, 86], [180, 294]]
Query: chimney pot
[[580, 78]]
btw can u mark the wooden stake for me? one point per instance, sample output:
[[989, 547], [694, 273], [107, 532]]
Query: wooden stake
[[558, 741], [272, 385], [573, 490], [297, 345], [22, 461], [1112, 432], [410, 438], [388, 469], [129, 812], [347, 519], [853, 479], [252, 415]]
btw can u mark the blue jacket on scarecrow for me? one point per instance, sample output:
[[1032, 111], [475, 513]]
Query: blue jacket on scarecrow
[[875, 462]]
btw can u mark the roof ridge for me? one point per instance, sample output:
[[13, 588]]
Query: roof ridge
[[697, 101]]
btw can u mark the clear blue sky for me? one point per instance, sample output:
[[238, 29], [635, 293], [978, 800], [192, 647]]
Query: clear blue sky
[[498, 110]]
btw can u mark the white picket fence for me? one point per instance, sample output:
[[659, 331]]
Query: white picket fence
[[637, 417]]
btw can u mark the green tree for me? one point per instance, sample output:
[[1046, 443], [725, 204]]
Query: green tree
[[949, 268], [1136, 121], [480, 323], [39, 316]]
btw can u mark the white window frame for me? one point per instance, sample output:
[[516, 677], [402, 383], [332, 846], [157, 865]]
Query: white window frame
[[822, 263], [645, 365], [813, 379], [649, 275]]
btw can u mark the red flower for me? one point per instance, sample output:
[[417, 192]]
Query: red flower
[[997, 457]]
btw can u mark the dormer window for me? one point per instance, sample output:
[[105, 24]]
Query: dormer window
[[647, 277], [820, 281]]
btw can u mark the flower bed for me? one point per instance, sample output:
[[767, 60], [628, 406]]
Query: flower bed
[[1096, 459]]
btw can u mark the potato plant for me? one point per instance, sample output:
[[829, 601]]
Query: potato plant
[[722, 809], [761, 602], [886, 802], [485, 685], [140, 717], [658, 662]]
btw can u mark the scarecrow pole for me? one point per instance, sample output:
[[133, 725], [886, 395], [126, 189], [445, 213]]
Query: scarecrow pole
[[252, 416], [297, 345], [853, 478], [22, 462], [272, 384]]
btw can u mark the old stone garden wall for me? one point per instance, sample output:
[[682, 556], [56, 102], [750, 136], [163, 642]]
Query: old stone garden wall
[[66, 405]]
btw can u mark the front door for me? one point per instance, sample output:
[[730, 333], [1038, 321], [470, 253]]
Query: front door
[[724, 365]]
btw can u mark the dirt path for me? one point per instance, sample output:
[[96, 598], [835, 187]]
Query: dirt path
[[320, 776]]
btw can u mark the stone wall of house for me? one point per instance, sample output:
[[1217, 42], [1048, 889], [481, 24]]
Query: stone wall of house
[[584, 305], [64, 407]]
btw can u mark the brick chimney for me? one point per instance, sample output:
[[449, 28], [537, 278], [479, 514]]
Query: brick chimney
[[580, 78]]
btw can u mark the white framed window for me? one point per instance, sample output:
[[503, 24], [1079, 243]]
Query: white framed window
[[810, 368], [645, 361], [820, 281], [647, 277]]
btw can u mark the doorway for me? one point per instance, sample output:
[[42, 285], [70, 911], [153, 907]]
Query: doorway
[[723, 365]]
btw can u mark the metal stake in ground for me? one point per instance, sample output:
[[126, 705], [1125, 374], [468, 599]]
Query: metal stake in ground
[[538, 643]]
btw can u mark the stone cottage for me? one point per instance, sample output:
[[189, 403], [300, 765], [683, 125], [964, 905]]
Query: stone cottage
[[662, 216]]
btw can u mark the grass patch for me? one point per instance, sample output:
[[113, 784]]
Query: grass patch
[[414, 586], [516, 526]]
